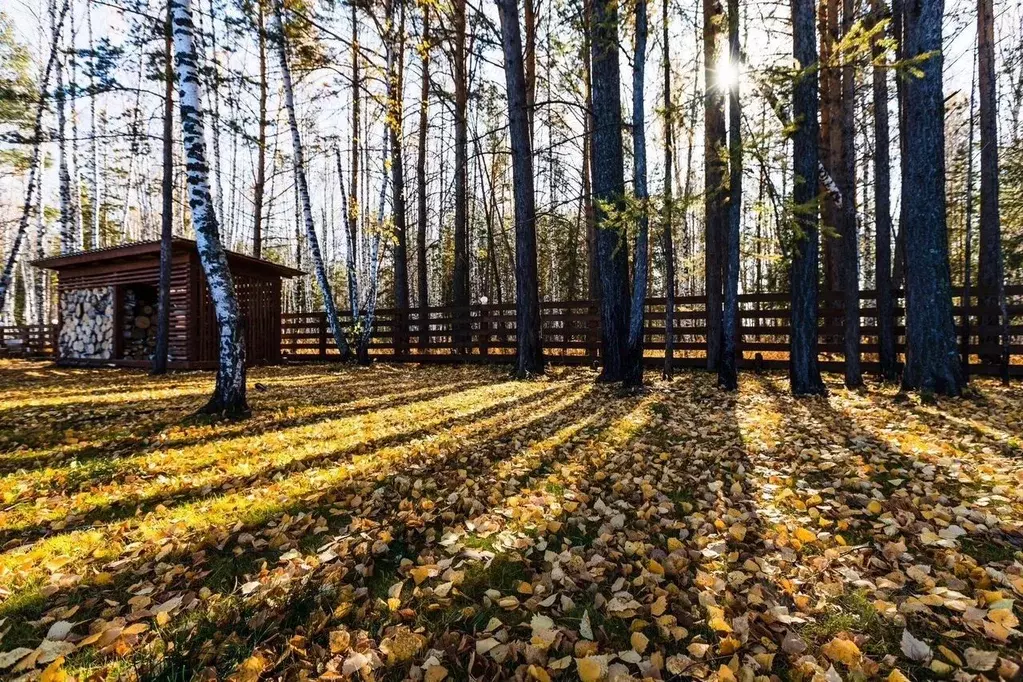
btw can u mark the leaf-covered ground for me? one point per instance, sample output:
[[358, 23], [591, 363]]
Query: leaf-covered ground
[[447, 523]]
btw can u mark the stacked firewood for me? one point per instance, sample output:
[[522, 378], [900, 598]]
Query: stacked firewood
[[138, 328]]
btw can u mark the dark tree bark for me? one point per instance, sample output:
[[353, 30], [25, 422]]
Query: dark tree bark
[[641, 260], [395, 97], [609, 190], [529, 361], [460, 274], [727, 371], [422, 272], [593, 273], [850, 269], [354, 204], [714, 177], [529, 19], [260, 187], [883, 210], [965, 332], [989, 270], [229, 395], [932, 361], [804, 373], [667, 239], [162, 350]]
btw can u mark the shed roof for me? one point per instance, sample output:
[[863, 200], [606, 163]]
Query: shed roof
[[134, 250]]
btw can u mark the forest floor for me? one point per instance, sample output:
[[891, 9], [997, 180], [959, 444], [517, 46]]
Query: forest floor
[[439, 523]]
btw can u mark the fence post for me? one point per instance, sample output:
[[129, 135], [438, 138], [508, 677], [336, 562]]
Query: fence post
[[323, 335]]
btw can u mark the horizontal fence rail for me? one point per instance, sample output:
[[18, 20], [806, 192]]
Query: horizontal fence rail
[[571, 332]]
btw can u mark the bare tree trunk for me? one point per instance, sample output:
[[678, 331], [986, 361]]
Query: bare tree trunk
[[396, 44], [303, 188], [804, 374], [714, 176], [529, 17], [989, 267], [97, 237], [162, 350], [68, 243], [529, 360], [260, 186], [593, 273], [34, 170], [667, 238], [460, 274], [422, 268], [727, 370], [968, 237], [849, 239], [883, 210], [932, 359], [609, 192], [634, 369], [229, 396]]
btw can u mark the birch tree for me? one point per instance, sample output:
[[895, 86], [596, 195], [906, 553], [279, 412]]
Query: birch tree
[[34, 169], [229, 395], [303, 187]]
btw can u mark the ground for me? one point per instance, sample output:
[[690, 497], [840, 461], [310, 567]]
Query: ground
[[402, 522]]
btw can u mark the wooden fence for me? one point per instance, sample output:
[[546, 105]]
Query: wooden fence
[[571, 333]]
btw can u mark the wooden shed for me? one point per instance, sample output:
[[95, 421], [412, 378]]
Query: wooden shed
[[107, 302]]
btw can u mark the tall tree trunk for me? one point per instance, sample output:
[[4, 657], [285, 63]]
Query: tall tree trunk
[[667, 238], [529, 361], [396, 44], [34, 171], [883, 209], [968, 237], [41, 276], [593, 272], [932, 361], [422, 268], [368, 313], [804, 373], [162, 350], [727, 369], [609, 191], [989, 268], [260, 187], [831, 99], [460, 274], [350, 266], [899, 34], [714, 176], [229, 396], [303, 187], [97, 201], [354, 205], [68, 243], [529, 16], [634, 368], [849, 239]]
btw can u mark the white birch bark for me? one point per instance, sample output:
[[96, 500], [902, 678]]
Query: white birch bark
[[96, 198], [229, 395], [34, 177], [67, 235], [303, 188], [370, 306]]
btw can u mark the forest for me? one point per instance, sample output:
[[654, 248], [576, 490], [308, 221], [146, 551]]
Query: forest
[[576, 339]]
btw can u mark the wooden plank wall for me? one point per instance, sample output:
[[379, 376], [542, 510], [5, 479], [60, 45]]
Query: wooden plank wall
[[145, 271]]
